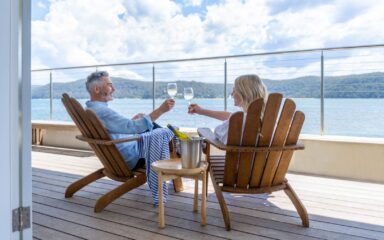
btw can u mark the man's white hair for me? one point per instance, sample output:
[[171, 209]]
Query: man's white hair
[[95, 79]]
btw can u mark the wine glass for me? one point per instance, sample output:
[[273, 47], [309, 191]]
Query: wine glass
[[188, 94], [172, 89]]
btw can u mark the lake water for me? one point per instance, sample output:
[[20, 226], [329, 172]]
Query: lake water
[[344, 117]]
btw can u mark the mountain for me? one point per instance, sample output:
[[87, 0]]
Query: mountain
[[369, 85]]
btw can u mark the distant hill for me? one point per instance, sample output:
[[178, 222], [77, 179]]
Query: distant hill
[[370, 85]]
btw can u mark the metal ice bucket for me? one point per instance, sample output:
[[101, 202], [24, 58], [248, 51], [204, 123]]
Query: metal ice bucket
[[191, 152]]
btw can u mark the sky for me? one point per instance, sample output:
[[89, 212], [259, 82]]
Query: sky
[[69, 33]]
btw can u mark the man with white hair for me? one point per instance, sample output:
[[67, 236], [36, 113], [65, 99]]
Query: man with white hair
[[100, 89]]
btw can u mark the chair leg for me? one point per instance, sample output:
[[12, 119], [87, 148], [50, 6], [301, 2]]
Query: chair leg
[[178, 184], [206, 183], [223, 205], [196, 195], [109, 197], [79, 184], [172, 149], [298, 204], [207, 159]]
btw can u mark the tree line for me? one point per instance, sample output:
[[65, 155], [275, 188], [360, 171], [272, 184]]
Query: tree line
[[369, 85]]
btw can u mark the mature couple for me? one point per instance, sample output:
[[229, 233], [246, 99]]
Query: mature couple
[[246, 89]]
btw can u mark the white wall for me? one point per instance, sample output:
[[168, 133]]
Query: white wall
[[5, 162], [25, 109], [342, 157], [15, 163], [355, 158]]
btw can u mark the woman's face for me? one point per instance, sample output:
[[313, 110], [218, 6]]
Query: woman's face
[[238, 101]]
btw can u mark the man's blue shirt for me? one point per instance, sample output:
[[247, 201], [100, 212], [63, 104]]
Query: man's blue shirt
[[119, 126]]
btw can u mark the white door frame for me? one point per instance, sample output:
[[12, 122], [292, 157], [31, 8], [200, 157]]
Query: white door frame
[[15, 110]]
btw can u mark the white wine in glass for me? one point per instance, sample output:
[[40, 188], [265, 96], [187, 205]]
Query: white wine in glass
[[172, 89], [188, 94]]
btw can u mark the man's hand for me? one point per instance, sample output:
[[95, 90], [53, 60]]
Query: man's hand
[[138, 116], [167, 105], [164, 107], [194, 108]]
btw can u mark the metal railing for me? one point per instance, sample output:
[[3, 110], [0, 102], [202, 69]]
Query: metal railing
[[154, 64]]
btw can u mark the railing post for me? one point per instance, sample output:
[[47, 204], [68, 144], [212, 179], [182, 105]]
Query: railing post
[[322, 95], [225, 85], [153, 86], [50, 95]]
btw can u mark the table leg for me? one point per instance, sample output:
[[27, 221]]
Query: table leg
[[204, 199], [196, 195], [161, 204]]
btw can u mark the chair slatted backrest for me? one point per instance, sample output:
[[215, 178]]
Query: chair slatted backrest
[[286, 156], [91, 127], [279, 137], [252, 127], [262, 169], [267, 128]]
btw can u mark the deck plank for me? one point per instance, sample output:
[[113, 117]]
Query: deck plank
[[185, 225], [248, 201], [44, 232], [95, 191], [338, 209], [50, 217]]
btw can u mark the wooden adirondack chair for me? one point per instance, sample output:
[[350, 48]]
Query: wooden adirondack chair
[[257, 161], [103, 145]]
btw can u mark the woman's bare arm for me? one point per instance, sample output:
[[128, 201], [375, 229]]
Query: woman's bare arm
[[220, 115]]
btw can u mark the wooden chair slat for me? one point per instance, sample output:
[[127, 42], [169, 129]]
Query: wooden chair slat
[[105, 155], [115, 158], [250, 134], [234, 138], [74, 115], [112, 154], [74, 109], [286, 156], [279, 138], [268, 125]]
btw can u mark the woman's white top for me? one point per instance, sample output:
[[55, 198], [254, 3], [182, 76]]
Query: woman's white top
[[221, 131]]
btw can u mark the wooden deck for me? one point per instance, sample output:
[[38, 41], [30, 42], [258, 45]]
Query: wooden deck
[[338, 209]]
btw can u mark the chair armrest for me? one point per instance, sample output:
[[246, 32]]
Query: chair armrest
[[211, 139], [107, 142], [298, 146]]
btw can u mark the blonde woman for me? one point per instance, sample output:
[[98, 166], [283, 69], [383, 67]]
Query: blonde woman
[[246, 89]]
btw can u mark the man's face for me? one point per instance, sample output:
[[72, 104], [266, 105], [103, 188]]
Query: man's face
[[105, 90]]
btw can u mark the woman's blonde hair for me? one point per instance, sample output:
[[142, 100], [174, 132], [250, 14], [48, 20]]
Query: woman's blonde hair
[[250, 87]]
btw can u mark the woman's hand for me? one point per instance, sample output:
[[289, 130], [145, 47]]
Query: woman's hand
[[194, 108], [221, 115]]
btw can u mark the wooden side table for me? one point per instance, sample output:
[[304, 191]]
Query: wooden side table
[[171, 169]]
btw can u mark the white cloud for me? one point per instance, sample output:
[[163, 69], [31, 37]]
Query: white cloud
[[124, 73], [41, 5], [236, 26], [157, 10], [76, 33], [323, 25], [193, 3]]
